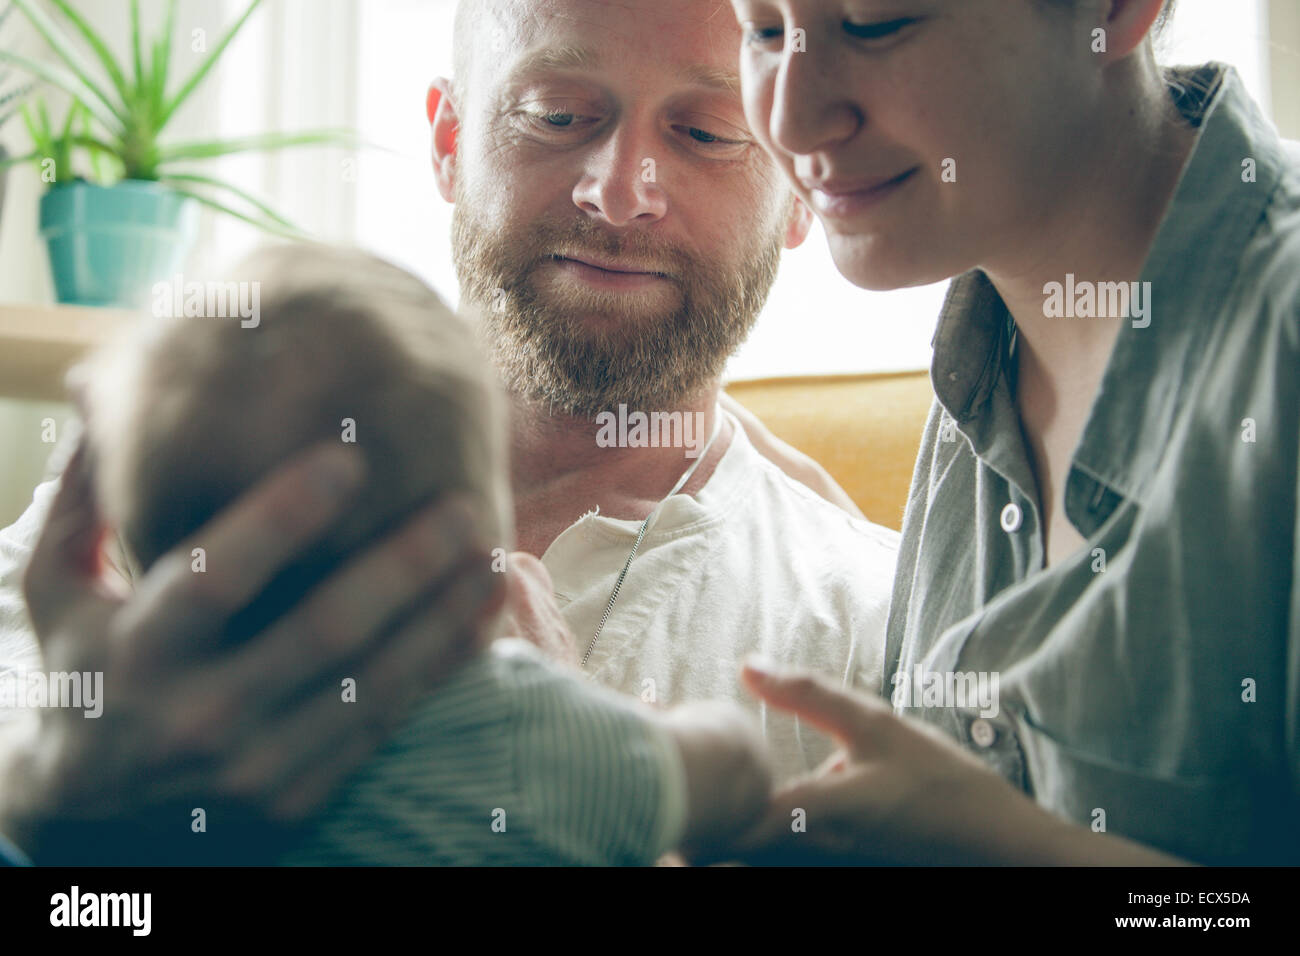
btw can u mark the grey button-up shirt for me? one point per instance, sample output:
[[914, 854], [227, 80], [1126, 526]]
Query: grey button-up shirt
[[1148, 685]]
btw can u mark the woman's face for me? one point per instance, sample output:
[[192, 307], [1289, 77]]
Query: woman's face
[[929, 136]]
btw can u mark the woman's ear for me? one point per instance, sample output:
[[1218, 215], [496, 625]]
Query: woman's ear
[[445, 125], [1125, 26], [799, 224]]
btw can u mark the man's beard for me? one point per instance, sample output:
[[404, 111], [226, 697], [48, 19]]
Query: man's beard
[[648, 360]]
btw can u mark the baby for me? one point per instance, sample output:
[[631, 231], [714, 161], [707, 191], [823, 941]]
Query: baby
[[513, 760]]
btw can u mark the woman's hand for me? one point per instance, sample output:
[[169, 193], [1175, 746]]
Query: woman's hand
[[902, 792]]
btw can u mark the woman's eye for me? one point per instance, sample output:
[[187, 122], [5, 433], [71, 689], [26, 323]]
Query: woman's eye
[[876, 31], [558, 119], [755, 36]]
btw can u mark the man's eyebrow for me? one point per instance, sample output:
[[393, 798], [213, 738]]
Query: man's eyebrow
[[557, 58], [713, 77], [581, 58]]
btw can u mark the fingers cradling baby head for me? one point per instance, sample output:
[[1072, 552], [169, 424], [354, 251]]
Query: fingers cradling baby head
[[186, 413]]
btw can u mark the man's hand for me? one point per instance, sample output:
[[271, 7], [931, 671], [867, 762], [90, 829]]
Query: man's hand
[[255, 732], [902, 792], [532, 611]]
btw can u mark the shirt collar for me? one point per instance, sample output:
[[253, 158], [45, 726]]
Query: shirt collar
[[1192, 264]]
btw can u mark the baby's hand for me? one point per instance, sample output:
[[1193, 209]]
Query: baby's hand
[[728, 772]]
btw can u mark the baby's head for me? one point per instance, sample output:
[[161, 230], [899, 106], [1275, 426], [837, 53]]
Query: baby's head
[[185, 414]]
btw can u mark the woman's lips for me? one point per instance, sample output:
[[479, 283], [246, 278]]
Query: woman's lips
[[841, 200]]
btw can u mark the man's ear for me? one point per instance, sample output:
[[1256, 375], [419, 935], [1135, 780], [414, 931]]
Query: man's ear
[[799, 224], [445, 125], [1127, 23]]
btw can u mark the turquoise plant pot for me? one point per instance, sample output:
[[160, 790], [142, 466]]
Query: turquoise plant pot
[[109, 245]]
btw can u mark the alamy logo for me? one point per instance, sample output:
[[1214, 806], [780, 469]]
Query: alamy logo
[[75, 908], [967, 690], [1098, 300], [653, 430], [209, 300], [75, 690]]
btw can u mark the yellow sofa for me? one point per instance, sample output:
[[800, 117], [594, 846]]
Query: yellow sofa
[[864, 429]]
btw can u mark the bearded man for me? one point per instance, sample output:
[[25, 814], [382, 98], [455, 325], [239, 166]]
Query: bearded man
[[618, 229]]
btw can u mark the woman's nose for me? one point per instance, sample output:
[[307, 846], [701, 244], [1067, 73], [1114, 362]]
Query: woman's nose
[[810, 109]]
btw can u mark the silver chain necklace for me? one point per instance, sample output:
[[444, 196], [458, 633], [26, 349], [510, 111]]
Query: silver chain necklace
[[645, 526]]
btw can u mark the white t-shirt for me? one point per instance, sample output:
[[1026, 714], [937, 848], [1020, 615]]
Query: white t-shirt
[[754, 563]]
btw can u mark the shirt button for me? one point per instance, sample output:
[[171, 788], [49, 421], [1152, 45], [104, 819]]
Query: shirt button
[[1011, 518], [983, 733]]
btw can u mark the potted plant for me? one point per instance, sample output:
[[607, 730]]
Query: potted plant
[[127, 215]]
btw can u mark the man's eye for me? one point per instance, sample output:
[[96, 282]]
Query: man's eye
[[712, 140], [546, 122], [876, 31]]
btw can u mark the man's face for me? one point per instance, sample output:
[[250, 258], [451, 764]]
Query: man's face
[[615, 221]]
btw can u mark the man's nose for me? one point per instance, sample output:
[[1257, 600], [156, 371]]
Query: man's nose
[[621, 181], [810, 109]]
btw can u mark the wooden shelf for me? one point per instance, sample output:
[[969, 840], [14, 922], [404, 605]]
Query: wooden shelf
[[39, 343]]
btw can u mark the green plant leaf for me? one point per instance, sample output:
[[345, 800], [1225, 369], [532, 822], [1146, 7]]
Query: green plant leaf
[[162, 54], [97, 44], [40, 136], [8, 161], [63, 48], [264, 141], [92, 143], [95, 148], [47, 144], [73, 111], [264, 225], [16, 97], [136, 52], [66, 81], [17, 93], [246, 196], [206, 66]]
